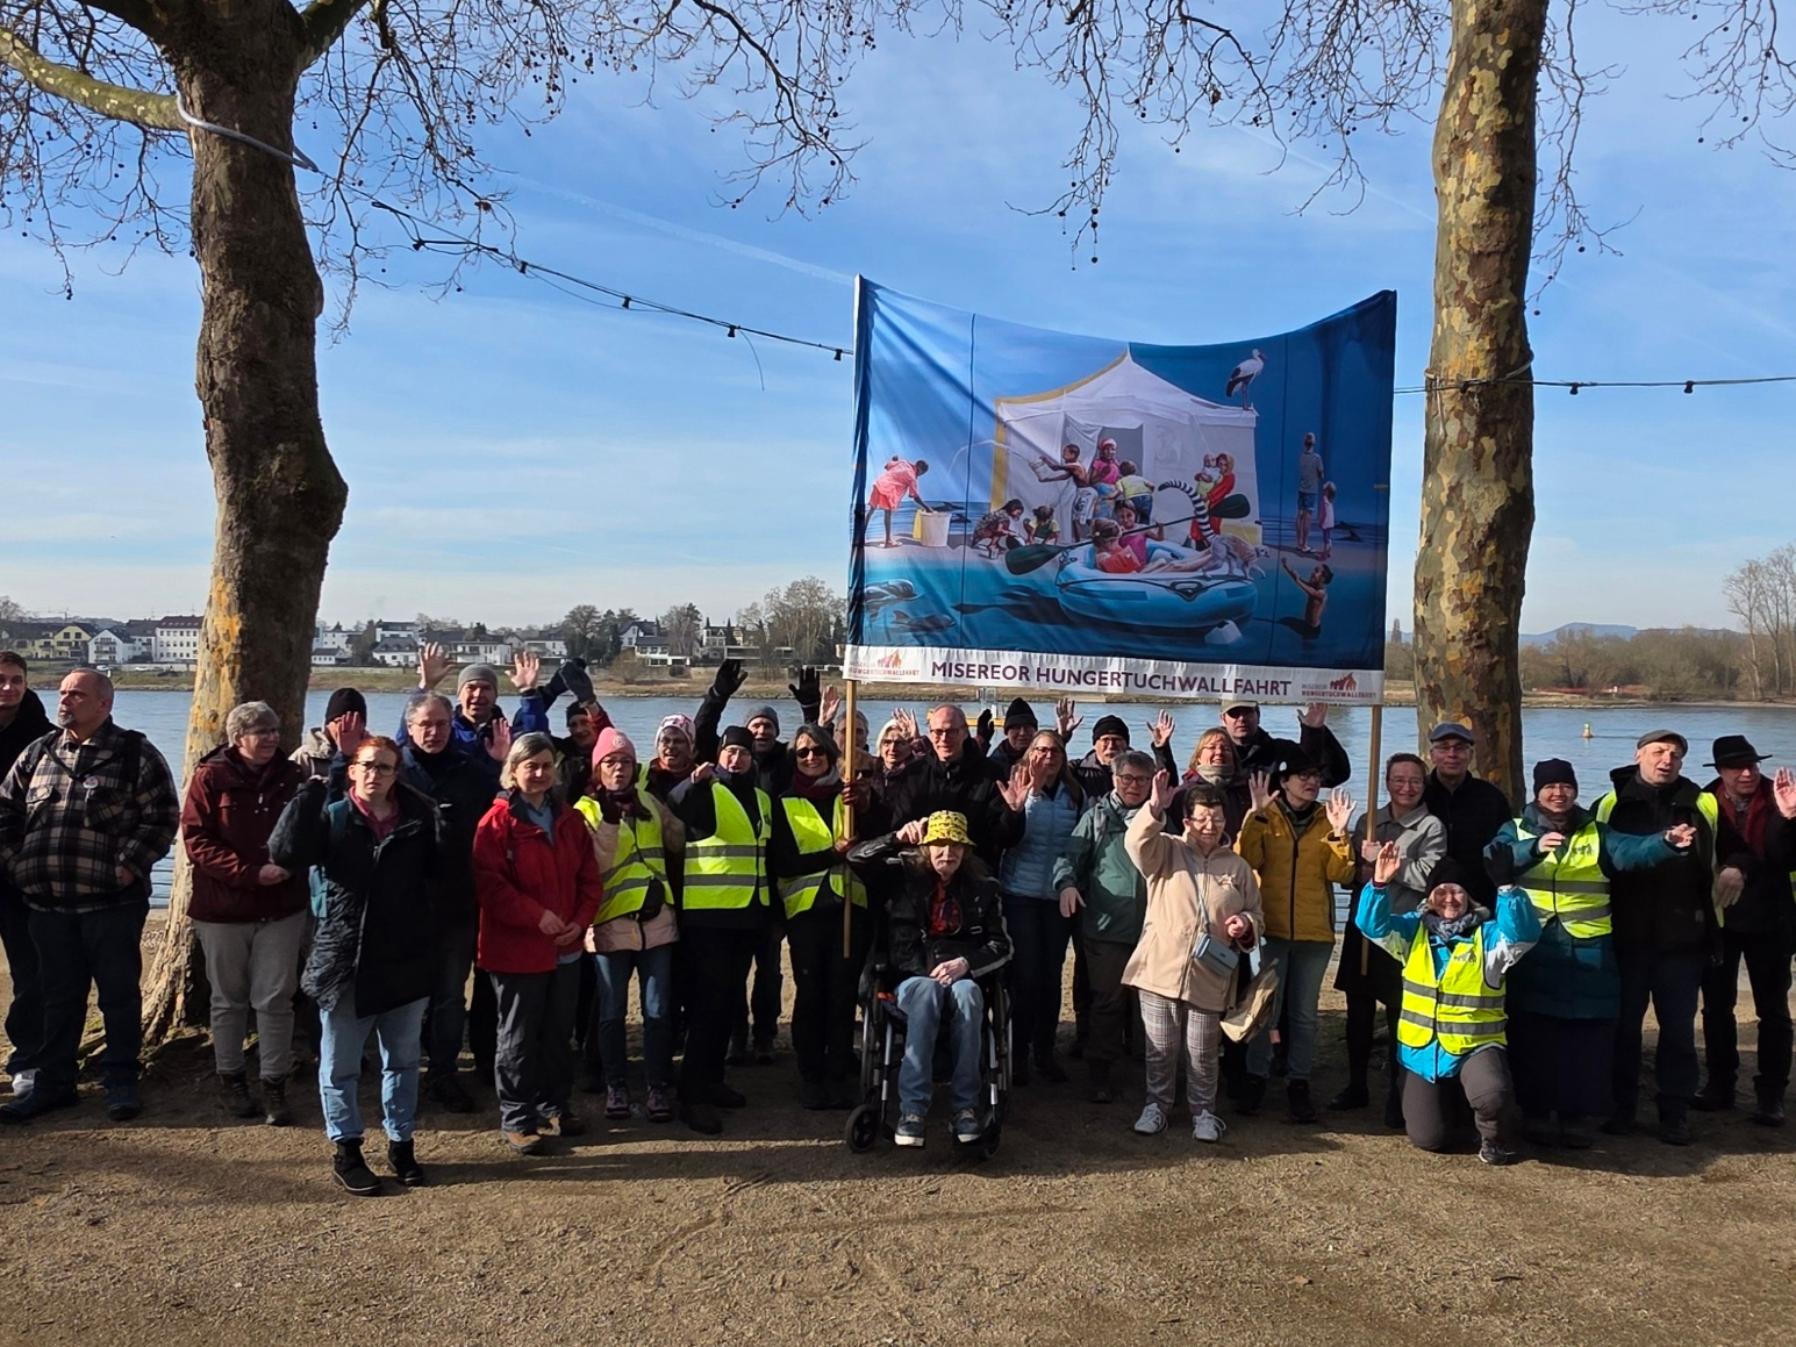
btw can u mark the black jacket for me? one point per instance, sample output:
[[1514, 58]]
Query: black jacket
[[1668, 909], [377, 938], [773, 768], [966, 786], [1097, 781], [1263, 752], [1474, 813], [904, 885], [28, 725], [1764, 906]]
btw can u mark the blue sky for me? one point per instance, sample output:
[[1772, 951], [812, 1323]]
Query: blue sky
[[512, 452]]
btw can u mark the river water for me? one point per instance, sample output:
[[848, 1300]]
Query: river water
[[1549, 731]]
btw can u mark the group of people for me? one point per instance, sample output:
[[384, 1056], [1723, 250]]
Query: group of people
[[476, 883]]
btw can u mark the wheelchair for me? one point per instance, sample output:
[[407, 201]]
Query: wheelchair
[[875, 1118]]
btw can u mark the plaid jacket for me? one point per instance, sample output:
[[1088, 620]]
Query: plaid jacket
[[72, 814]]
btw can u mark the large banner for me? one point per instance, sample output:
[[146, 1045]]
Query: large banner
[[1074, 514]]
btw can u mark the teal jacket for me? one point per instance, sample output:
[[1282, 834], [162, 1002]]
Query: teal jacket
[[1093, 861]]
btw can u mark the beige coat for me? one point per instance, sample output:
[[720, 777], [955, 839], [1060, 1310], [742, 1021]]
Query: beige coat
[[1179, 880], [621, 933]]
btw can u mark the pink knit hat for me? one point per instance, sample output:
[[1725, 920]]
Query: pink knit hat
[[612, 741]]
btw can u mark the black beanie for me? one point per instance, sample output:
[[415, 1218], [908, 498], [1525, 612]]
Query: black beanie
[[739, 736], [1447, 871], [1109, 725], [1554, 772], [1020, 713], [345, 701]]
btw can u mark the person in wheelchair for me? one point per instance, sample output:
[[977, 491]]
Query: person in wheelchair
[[944, 932]]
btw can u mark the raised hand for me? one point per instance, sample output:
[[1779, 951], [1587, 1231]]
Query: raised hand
[[1340, 810], [433, 665], [806, 690], [1159, 799], [1387, 864], [911, 834], [1314, 716], [352, 729], [731, 675], [498, 743], [702, 773], [832, 705], [907, 723], [1064, 719], [1161, 728], [1550, 842], [525, 669], [1015, 792], [1683, 836], [983, 730], [1259, 789], [1783, 790]]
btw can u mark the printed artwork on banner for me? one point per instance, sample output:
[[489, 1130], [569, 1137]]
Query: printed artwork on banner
[[1037, 509]]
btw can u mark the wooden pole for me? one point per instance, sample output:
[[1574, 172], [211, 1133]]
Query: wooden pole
[[1373, 778], [848, 770]]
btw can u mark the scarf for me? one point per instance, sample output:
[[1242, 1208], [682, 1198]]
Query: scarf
[[1460, 927], [1216, 774], [1752, 827], [817, 789], [1300, 818]]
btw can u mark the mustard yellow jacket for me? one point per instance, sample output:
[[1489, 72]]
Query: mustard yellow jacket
[[1297, 871]]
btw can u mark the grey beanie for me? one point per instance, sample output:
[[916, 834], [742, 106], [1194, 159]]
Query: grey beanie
[[477, 673], [765, 713]]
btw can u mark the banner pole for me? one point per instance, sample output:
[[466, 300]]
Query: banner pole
[[849, 754], [1372, 781]]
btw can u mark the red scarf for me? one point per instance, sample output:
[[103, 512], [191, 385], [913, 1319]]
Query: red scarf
[[1758, 816]]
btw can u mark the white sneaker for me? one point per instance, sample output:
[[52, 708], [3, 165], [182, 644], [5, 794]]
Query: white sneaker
[[1206, 1126], [1152, 1121], [23, 1081]]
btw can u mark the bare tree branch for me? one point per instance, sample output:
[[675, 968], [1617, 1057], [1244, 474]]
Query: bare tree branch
[[109, 100], [324, 22]]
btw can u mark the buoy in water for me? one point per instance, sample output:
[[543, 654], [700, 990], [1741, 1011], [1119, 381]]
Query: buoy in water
[[1588, 732]]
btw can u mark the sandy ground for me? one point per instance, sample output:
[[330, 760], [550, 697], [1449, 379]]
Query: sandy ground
[[188, 1227]]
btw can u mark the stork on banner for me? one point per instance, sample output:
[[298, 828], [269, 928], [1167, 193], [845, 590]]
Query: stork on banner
[[1039, 510]]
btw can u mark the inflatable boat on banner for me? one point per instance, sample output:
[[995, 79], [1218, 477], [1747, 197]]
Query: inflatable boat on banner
[[1170, 600]]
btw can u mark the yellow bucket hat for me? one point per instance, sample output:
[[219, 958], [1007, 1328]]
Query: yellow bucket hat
[[947, 826]]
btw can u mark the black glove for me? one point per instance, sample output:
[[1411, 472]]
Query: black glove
[[553, 688], [808, 690], [653, 902], [730, 676], [574, 677], [984, 728]]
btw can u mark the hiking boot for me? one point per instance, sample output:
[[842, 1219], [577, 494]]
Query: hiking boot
[[563, 1122], [1769, 1111], [727, 1096], [909, 1131], [617, 1102], [966, 1126], [234, 1096], [1206, 1126], [1717, 1096], [123, 1101], [1675, 1130], [660, 1107], [1354, 1096], [813, 1095], [1252, 1096], [1492, 1154], [701, 1118], [37, 1102], [522, 1143], [1298, 1107], [275, 1111], [352, 1172], [404, 1164], [444, 1090], [1152, 1121]]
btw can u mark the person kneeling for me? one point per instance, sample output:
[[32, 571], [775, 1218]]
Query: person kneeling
[[945, 930], [1450, 1029]]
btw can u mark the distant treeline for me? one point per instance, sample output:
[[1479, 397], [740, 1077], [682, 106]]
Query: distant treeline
[[1762, 594], [1688, 663]]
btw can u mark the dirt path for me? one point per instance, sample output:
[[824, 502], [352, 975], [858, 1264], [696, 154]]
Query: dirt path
[[185, 1228]]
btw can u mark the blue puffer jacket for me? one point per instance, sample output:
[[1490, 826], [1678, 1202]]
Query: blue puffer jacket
[[1510, 934], [1028, 867]]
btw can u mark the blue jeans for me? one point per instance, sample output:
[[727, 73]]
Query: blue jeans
[[654, 972], [921, 1001], [400, 1034], [1301, 965]]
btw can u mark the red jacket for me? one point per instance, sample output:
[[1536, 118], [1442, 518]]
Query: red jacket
[[230, 810], [519, 873]]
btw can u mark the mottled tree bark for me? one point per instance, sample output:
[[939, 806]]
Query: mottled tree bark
[[1477, 470], [279, 496]]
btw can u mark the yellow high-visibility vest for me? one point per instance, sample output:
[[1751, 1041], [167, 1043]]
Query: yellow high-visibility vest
[[1456, 1006], [1569, 883], [639, 863], [811, 833], [728, 869]]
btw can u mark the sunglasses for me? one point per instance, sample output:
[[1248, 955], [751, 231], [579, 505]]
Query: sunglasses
[[810, 752]]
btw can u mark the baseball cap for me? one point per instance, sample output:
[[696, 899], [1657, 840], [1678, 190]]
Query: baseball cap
[[1451, 729]]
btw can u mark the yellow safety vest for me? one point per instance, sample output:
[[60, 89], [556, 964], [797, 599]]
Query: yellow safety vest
[[1569, 883], [728, 869], [638, 863], [811, 833], [1706, 805], [1457, 1007]]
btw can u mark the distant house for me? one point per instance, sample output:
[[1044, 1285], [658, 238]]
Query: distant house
[[111, 646], [484, 651], [177, 640], [397, 631], [395, 652], [333, 637], [549, 647], [328, 657], [645, 638]]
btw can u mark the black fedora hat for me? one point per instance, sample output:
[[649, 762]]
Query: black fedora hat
[[1735, 750]]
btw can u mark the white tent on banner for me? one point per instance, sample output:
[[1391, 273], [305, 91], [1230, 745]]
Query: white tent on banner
[[1171, 435]]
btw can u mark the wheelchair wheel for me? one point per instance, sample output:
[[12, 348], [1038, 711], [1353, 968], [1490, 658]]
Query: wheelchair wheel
[[862, 1130], [988, 1144]]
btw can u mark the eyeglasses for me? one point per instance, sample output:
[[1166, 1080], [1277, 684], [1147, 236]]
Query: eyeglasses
[[375, 768], [264, 732], [1129, 779]]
